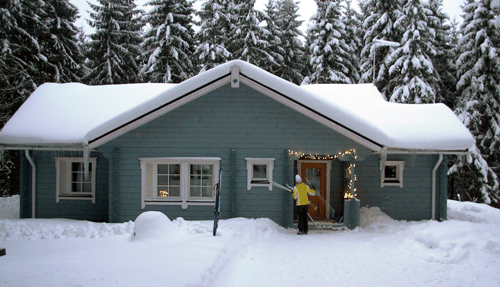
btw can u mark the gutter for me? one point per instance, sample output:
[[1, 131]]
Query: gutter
[[33, 182], [434, 170]]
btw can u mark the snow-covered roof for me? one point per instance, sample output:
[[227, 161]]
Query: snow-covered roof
[[75, 115]]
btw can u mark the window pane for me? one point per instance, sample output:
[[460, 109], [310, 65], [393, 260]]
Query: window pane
[[162, 180], [391, 172], [76, 166], [163, 169], [313, 178], [87, 187], [196, 169], [259, 171], [195, 180], [175, 169], [75, 187], [174, 180], [207, 191], [195, 191], [208, 169], [77, 177], [174, 191]]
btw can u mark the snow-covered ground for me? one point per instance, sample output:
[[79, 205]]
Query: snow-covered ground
[[462, 251]]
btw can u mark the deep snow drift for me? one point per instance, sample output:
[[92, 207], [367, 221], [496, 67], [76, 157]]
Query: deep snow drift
[[462, 251]]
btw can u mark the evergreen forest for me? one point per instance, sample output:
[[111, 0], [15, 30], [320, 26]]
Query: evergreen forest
[[410, 49]]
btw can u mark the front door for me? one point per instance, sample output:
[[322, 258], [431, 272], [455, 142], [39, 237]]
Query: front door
[[315, 175]]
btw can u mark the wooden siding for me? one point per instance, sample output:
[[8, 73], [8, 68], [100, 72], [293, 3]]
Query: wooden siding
[[231, 124], [413, 201], [46, 206]]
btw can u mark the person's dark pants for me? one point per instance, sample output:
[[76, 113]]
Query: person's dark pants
[[302, 213]]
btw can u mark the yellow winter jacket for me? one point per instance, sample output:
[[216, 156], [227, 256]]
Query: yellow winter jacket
[[300, 192]]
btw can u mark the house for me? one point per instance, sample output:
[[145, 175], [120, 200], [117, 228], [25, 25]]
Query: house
[[109, 153]]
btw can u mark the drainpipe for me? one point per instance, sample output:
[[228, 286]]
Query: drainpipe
[[33, 181], [434, 170]]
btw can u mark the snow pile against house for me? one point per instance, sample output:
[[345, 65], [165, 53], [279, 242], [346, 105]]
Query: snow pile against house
[[72, 115], [9, 207]]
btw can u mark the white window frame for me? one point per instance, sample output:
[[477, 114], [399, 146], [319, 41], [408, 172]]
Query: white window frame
[[63, 179], [150, 165], [251, 181], [398, 180]]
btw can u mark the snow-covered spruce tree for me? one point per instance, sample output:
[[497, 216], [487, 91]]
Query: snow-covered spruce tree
[[352, 21], [292, 49], [60, 44], [169, 43], [212, 36], [443, 61], [115, 45], [479, 101], [412, 75], [331, 57], [20, 53], [273, 37], [248, 39], [20, 62], [379, 18]]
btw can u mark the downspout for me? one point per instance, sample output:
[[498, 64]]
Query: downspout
[[434, 170], [33, 182]]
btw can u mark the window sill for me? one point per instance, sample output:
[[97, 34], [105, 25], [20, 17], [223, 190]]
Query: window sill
[[76, 197], [178, 202]]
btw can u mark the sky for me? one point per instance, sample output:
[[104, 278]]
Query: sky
[[306, 9]]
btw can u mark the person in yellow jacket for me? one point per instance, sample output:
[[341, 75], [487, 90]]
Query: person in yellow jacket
[[300, 193]]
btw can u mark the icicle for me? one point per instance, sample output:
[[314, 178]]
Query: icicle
[[86, 162]]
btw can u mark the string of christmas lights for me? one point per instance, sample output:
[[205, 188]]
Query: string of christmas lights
[[302, 155], [350, 170]]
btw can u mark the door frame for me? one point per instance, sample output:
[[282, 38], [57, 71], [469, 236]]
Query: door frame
[[328, 172]]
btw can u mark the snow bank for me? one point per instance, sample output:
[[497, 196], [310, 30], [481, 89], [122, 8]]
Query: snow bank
[[373, 218], [32, 229], [9, 207], [154, 225], [462, 251], [473, 212]]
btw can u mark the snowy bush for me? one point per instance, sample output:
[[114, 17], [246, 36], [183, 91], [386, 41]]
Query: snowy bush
[[154, 225]]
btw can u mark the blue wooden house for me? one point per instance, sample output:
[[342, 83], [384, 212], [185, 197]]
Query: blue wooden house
[[109, 153]]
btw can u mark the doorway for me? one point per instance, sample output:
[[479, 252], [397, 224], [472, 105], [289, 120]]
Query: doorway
[[316, 174]]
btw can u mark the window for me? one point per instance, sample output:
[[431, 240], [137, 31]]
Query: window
[[178, 181], [260, 172], [392, 173], [71, 181]]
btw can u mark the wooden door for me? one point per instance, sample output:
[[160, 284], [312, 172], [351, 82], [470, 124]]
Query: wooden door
[[315, 176]]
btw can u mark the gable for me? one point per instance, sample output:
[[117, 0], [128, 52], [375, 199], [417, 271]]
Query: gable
[[229, 118]]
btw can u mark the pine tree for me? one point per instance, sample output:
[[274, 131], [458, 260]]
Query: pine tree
[[291, 47], [248, 39], [169, 44], [479, 100], [60, 44], [413, 78], [115, 45], [379, 19], [212, 36], [331, 60]]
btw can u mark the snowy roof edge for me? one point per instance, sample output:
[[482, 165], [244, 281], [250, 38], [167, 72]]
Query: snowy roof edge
[[320, 102]]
